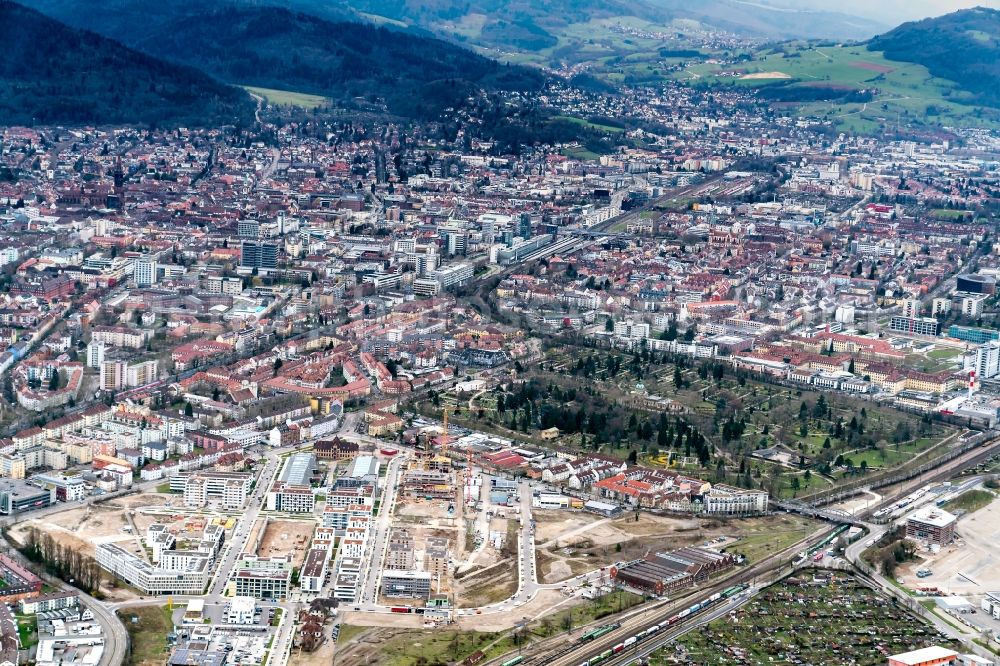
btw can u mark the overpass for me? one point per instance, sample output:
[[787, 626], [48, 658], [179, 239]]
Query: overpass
[[811, 511]]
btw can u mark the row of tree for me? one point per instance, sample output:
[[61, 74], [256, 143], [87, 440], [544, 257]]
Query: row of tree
[[63, 561]]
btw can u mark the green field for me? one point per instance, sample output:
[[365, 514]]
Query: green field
[[148, 634], [580, 153], [288, 97], [591, 125], [905, 92], [413, 648], [945, 353], [777, 535], [27, 634], [971, 500]]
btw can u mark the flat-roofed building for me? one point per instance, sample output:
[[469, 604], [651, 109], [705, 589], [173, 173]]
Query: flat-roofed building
[[928, 656], [231, 487], [291, 498], [436, 554], [407, 584], [931, 524], [262, 577], [314, 569], [400, 554], [152, 579]]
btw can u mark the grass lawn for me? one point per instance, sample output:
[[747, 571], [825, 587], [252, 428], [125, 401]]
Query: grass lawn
[[349, 631], [148, 635], [949, 214], [288, 97], [814, 483], [163, 488], [970, 500], [580, 153], [772, 537], [27, 633], [430, 647], [590, 125], [944, 353], [602, 606]]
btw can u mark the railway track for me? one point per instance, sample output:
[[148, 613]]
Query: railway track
[[670, 617]]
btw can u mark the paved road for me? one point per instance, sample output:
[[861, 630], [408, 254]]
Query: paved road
[[380, 541], [853, 554], [238, 541]]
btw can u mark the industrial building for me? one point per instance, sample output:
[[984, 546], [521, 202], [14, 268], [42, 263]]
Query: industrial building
[[928, 656], [662, 573], [17, 496]]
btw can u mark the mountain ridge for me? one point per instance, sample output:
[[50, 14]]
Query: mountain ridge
[[53, 73], [275, 47], [963, 47]]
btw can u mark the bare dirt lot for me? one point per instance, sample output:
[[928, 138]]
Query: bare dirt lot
[[571, 542], [283, 537], [765, 75], [85, 527], [969, 566]]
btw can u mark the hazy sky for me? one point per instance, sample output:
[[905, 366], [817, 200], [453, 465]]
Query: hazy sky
[[898, 11]]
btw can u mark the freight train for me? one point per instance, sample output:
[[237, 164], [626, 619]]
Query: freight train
[[646, 633]]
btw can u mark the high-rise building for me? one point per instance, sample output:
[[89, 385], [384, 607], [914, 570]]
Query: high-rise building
[[988, 360], [976, 284], [258, 255], [145, 272], [911, 307], [456, 242], [95, 354], [524, 228]]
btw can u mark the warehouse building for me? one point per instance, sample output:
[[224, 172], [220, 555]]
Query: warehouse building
[[17, 496], [662, 573], [928, 656]]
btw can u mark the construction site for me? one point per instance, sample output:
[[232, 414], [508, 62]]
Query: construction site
[[277, 538]]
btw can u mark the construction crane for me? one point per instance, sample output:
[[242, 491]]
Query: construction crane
[[445, 440], [444, 434]]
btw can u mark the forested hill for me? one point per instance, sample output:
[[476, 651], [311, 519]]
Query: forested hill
[[963, 47], [273, 47], [51, 73]]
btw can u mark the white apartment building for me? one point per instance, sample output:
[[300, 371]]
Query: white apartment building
[[988, 360], [291, 498], [232, 487], [151, 579], [95, 354], [240, 610], [145, 272], [634, 330]]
